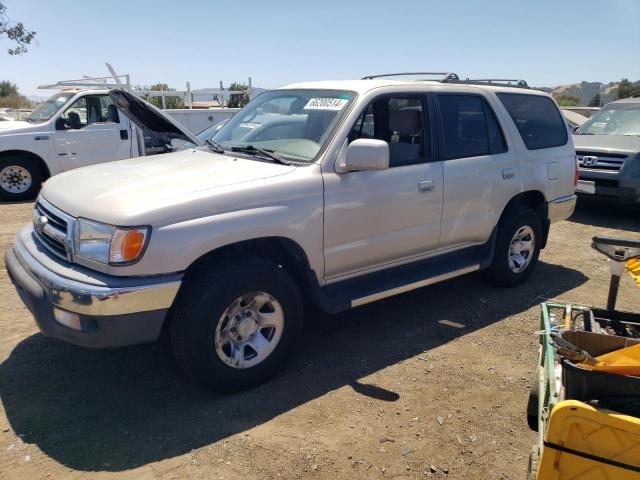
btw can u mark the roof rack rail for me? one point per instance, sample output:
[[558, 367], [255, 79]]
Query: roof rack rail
[[450, 77], [445, 75], [503, 82]]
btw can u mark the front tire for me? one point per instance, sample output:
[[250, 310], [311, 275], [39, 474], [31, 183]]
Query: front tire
[[517, 247], [20, 178], [234, 322]]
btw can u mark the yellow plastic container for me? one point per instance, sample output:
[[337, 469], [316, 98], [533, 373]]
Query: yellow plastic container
[[585, 443], [633, 267], [625, 361]]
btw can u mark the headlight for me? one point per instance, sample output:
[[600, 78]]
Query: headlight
[[108, 244]]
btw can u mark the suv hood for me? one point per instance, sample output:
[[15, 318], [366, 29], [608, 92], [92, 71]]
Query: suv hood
[[156, 189], [624, 144], [151, 118]]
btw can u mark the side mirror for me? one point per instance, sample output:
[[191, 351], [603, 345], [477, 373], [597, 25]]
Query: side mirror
[[61, 124], [177, 144], [365, 154]]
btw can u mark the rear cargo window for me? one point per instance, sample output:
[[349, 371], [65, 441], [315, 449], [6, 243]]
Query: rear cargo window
[[538, 120]]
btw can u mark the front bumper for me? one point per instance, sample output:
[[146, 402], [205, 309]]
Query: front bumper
[[108, 311], [622, 187], [561, 208]]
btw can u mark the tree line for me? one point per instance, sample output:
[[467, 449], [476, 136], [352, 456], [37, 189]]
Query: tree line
[[626, 89]]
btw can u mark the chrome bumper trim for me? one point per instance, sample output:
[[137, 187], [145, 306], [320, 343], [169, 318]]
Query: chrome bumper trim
[[86, 299], [561, 208]]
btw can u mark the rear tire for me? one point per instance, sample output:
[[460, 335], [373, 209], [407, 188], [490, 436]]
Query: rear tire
[[532, 401], [534, 460], [20, 178], [517, 247], [234, 322]]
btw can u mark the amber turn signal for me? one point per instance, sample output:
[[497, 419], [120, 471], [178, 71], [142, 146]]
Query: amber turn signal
[[127, 244]]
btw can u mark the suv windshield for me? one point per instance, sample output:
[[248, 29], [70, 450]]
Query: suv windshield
[[614, 119], [48, 109], [294, 124]]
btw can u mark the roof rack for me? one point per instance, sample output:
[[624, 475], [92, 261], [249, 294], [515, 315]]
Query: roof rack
[[93, 82], [450, 77], [445, 75], [502, 82]]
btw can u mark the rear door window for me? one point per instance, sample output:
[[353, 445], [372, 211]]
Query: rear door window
[[469, 127], [539, 121]]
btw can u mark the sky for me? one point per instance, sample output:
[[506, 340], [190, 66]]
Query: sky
[[546, 42]]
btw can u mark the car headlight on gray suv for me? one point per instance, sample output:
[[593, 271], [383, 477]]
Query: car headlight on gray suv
[[109, 245]]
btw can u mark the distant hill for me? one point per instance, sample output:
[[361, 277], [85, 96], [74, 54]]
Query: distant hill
[[587, 90]]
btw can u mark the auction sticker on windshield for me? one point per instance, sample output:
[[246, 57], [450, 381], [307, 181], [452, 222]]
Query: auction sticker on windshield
[[326, 104]]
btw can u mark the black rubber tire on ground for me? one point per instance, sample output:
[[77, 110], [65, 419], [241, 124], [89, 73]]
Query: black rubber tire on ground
[[532, 402], [534, 460], [516, 217], [202, 300], [34, 170]]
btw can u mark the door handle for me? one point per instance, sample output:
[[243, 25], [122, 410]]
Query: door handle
[[124, 135], [508, 173], [426, 186]]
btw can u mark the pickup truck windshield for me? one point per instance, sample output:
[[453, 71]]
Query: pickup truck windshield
[[48, 109], [614, 119], [294, 124]]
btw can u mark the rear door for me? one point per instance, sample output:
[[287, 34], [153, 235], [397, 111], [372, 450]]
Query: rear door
[[480, 170], [93, 132]]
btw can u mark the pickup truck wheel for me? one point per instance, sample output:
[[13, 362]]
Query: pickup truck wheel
[[20, 178], [234, 322], [517, 247]]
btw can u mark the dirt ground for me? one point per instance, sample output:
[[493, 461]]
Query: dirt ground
[[432, 383]]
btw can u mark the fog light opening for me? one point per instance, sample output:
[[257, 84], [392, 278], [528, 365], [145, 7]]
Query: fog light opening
[[68, 319]]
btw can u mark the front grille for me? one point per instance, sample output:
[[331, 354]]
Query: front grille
[[50, 227], [601, 161]]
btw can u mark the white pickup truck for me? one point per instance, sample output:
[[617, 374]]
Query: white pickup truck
[[333, 194], [72, 129]]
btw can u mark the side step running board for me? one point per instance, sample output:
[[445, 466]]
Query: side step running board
[[414, 285], [353, 292]]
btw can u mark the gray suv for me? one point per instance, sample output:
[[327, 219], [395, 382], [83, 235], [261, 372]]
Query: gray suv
[[608, 150]]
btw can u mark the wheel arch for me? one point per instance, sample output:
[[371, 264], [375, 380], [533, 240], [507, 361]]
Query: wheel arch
[[283, 251], [536, 201], [42, 165]]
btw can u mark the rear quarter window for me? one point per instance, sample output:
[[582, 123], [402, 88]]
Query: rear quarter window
[[537, 118]]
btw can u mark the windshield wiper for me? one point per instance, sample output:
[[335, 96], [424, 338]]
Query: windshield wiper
[[265, 153], [214, 146]]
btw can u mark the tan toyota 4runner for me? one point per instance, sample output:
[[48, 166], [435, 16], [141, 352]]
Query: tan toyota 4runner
[[333, 194]]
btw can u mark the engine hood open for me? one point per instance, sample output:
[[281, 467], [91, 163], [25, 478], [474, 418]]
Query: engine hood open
[[151, 118]]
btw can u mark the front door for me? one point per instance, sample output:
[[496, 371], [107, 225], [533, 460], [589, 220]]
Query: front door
[[374, 219], [93, 132]]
